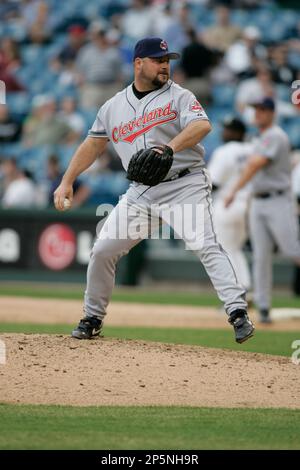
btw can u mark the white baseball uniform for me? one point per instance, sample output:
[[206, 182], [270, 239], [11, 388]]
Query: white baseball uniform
[[225, 167], [133, 124]]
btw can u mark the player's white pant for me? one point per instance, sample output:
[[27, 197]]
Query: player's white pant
[[272, 221], [231, 229], [193, 191]]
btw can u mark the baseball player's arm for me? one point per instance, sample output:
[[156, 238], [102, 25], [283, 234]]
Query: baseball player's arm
[[255, 163], [191, 135], [84, 156]]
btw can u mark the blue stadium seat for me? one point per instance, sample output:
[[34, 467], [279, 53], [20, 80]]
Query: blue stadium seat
[[283, 92], [240, 17], [89, 116], [294, 59], [16, 31], [106, 187], [223, 95], [32, 53], [34, 160], [212, 141], [11, 150], [292, 127], [65, 153], [18, 103]]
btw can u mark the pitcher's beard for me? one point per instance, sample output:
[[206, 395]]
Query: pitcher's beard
[[159, 83]]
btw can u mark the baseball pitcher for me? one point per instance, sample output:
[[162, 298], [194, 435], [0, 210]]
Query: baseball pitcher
[[156, 128]]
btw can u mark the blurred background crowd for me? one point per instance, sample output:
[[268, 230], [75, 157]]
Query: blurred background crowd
[[60, 60]]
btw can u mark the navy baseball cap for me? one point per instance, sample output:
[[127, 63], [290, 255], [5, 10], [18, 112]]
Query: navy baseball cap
[[265, 103], [153, 47], [235, 124]]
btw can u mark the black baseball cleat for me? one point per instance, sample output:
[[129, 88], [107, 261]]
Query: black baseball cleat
[[264, 316], [87, 328], [243, 327]]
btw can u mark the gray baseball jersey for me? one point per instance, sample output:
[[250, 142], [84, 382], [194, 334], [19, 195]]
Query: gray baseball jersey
[[132, 124], [273, 219], [273, 144]]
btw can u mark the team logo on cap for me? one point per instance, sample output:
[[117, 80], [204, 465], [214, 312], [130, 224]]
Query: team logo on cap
[[163, 45]]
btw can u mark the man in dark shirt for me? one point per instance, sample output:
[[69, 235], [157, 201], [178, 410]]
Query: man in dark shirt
[[10, 129]]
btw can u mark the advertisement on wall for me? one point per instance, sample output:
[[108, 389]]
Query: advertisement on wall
[[29, 242]]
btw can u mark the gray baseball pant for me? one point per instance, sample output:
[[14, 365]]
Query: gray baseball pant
[[272, 221], [123, 230]]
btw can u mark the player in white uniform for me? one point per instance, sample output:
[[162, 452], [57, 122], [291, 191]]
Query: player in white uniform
[[273, 218], [151, 111], [225, 167]]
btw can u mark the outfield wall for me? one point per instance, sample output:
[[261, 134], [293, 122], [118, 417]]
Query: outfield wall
[[50, 246]]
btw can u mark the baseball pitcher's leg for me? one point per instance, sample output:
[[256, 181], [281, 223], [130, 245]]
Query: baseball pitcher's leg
[[230, 225], [125, 227], [262, 246], [195, 226]]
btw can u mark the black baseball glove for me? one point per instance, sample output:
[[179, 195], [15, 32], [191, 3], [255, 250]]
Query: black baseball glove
[[150, 166]]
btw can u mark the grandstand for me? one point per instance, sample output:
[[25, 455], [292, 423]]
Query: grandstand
[[39, 35]]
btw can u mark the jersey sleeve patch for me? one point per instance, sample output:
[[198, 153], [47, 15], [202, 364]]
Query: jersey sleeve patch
[[195, 107]]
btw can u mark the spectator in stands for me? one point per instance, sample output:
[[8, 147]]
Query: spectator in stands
[[35, 14], [138, 20], [19, 189], [9, 62], [10, 58], [10, 130], [176, 34], [99, 68], [196, 63], [257, 87], [223, 34], [241, 54], [165, 19], [9, 10], [43, 126], [64, 63], [54, 175], [72, 118], [76, 39], [261, 85], [282, 71]]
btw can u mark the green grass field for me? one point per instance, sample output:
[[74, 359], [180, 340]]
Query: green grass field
[[147, 296], [57, 427], [65, 427]]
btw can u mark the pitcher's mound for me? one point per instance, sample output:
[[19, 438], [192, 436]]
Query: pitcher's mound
[[56, 369]]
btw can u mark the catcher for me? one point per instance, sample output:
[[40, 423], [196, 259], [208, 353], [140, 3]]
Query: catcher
[[156, 128]]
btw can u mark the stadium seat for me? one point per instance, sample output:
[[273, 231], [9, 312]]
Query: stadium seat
[[292, 127], [34, 160], [18, 103], [223, 95]]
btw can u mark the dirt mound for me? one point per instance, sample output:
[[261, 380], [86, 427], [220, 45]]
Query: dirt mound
[[56, 369]]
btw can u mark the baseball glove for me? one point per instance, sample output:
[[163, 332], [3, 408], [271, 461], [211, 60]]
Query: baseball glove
[[150, 166]]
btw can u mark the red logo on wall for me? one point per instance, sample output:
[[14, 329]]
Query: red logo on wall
[[57, 246]]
